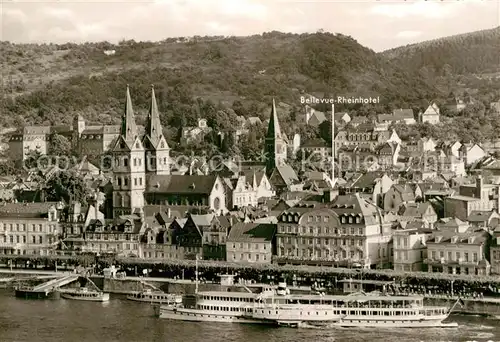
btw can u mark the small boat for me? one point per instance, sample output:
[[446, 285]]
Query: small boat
[[156, 297], [84, 294]]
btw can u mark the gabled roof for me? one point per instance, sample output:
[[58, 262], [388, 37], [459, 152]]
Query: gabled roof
[[181, 184], [354, 204], [368, 180], [252, 232], [26, 209], [287, 173]]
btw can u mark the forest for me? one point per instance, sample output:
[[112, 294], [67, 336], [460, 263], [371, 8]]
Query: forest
[[221, 78]]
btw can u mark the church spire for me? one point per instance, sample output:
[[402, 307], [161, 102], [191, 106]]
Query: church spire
[[273, 130], [153, 126], [129, 129]]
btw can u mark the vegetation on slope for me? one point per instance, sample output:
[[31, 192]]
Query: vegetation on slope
[[44, 83], [471, 53]]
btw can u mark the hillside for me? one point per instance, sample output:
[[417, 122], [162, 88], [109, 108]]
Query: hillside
[[51, 83], [472, 53]]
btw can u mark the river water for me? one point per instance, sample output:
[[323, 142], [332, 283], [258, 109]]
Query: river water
[[121, 320]]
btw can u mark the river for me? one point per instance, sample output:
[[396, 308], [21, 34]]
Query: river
[[121, 320]]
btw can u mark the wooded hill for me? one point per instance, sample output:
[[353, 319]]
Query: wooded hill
[[471, 53], [50, 83]]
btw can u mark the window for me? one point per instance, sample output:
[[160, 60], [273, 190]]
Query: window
[[125, 162]]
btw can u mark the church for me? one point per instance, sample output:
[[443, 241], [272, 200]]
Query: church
[[141, 170]]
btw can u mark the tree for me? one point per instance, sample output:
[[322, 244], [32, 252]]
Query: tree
[[59, 145], [67, 186]]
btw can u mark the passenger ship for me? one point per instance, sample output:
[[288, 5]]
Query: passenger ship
[[85, 294], [279, 307], [156, 297]]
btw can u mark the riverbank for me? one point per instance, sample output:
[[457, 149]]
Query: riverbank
[[477, 306]]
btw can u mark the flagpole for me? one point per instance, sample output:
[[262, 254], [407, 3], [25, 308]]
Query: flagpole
[[196, 283], [333, 144]]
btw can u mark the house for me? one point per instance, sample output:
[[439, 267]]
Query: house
[[478, 196], [431, 114], [313, 117], [194, 190], [260, 183], [459, 253], [410, 249], [472, 152], [251, 243], [358, 120], [195, 133], [450, 148], [318, 147], [488, 220], [398, 116], [364, 235], [427, 190], [388, 155], [341, 118], [372, 185], [363, 135], [244, 194], [456, 105], [30, 228], [346, 234], [397, 195], [119, 236], [423, 212]]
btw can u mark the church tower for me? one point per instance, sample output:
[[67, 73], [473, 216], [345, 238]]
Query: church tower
[[275, 150], [129, 166], [156, 147]]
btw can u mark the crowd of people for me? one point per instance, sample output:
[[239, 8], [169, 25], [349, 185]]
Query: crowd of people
[[430, 284], [332, 279]]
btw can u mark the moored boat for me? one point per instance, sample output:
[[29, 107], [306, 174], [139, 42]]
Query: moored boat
[[279, 307], [155, 297], [84, 294]]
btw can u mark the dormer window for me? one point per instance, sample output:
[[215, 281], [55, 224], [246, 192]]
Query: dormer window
[[454, 239], [471, 240]]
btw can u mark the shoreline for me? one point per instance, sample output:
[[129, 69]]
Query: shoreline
[[486, 306]]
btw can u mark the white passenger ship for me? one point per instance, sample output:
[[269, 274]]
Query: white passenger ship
[[155, 297], [279, 307], [85, 294]]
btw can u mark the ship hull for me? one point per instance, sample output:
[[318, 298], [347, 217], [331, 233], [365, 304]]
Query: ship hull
[[377, 323], [191, 315], [102, 298]]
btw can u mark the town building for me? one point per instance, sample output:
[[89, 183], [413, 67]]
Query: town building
[[410, 249], [479, 196], [398, 116], [459, 253], [251, 243], [431, 114], [30, 228], [313, 117]]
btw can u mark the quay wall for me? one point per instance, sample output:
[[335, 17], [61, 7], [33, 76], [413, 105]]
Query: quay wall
[[127, 286], [485, 306], [471, 307]]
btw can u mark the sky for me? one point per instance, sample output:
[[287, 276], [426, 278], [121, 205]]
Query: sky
[[377, 24]]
